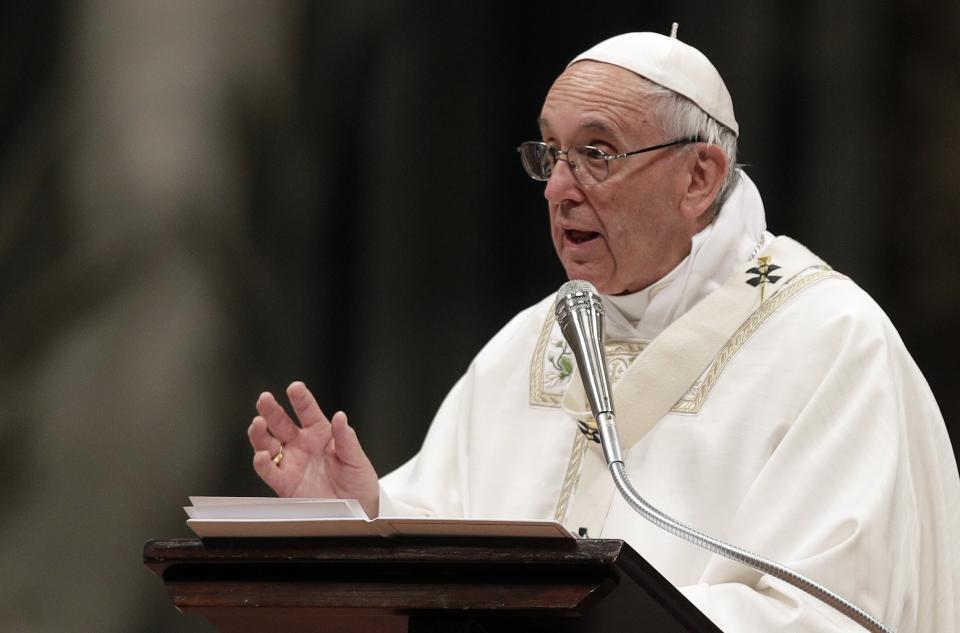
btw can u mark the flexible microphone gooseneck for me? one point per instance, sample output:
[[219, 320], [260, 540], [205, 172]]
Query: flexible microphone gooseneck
[[580, 316]]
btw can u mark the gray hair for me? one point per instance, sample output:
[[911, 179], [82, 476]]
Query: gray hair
[[680, 117]]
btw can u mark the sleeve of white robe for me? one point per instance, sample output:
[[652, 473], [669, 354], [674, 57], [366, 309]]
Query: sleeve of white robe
[[860, 494]]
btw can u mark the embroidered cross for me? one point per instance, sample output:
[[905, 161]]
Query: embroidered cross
[[762, 272]]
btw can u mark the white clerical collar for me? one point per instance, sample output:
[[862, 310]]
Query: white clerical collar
[[715, 252], [633, 306]]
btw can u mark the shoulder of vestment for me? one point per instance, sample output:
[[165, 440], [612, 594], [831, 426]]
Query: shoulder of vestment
[[514, 342]]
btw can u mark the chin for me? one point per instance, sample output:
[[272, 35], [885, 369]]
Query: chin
[[608, 289], [601, 283]]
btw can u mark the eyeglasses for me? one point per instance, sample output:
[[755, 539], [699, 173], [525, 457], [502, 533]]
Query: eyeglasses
[[590, 166]]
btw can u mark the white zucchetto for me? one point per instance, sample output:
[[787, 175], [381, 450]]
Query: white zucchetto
[[672, 64]]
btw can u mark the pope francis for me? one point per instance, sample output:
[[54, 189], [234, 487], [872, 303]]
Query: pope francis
[[762, 397]]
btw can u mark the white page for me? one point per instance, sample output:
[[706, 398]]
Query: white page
[[334, 509], [273, 507], [213, 501]]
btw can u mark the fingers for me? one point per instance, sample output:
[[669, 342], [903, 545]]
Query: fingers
[[260, 438], [268, 471], [347, 444], [278, 422], [305, 405]]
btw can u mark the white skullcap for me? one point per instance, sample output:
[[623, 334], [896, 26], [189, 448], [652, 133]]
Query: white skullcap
[[672, 64]]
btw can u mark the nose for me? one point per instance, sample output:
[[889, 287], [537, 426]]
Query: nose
[[562, 185]]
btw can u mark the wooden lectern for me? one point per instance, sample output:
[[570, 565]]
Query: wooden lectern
[[307, 585]]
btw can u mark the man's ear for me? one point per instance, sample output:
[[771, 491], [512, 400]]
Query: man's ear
[[708, 168]]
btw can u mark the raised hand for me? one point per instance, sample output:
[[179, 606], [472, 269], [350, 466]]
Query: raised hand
[[319, 458]]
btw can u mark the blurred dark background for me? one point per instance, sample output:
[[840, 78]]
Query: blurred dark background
[[202, 200]]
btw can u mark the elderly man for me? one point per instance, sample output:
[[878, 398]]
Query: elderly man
[[762, 397]]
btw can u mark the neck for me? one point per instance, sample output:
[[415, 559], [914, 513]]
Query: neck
[[710, 257]]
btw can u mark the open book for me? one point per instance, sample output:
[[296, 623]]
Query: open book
[[270, 516]]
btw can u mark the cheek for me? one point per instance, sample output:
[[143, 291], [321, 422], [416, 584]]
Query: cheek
[[621, 223], [552, 216], [633, 219], [556, 236]]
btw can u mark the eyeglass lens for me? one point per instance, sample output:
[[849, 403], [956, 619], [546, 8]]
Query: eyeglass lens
[[588, 166]]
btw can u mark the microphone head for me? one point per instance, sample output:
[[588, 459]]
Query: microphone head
[[574, 286], [573, 295]]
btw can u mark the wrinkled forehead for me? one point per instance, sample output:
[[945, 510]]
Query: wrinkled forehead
[[600, 77], [597, 95]]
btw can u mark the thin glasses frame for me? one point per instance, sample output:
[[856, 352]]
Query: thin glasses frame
[[544, 171]]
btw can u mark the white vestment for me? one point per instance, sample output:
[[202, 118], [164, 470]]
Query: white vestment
[[811, 439]]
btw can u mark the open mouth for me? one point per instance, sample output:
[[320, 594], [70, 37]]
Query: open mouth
[[580, 237]]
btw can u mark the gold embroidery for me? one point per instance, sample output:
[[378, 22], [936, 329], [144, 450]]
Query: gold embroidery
[[552, 365], [572, 475], [619, 356], [539, 395], [695, 397]]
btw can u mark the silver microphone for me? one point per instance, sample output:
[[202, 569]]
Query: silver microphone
[[580, 315]]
